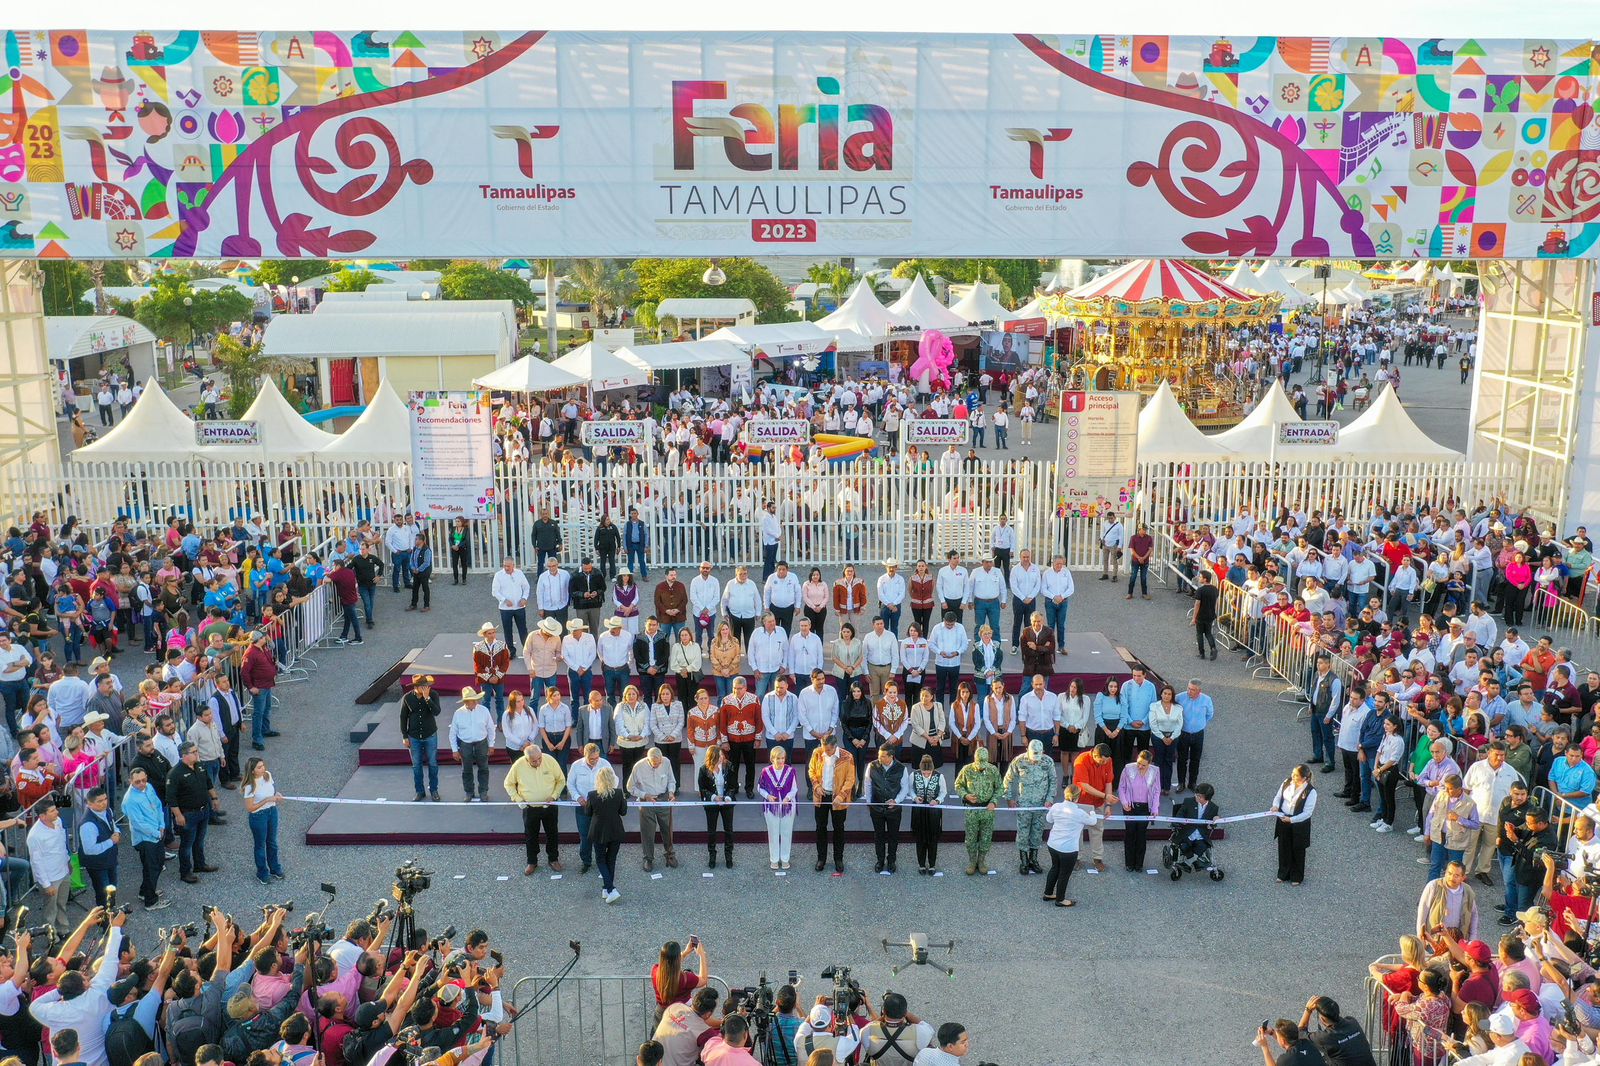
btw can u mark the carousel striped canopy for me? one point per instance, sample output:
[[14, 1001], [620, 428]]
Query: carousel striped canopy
[[1165, 289]]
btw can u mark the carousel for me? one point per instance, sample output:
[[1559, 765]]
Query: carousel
[[1157, 320]]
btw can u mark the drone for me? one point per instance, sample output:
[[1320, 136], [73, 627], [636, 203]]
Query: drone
[[918, 943]]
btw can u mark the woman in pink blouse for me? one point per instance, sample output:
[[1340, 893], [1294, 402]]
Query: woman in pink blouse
[[1519, 576], [1140, 793]]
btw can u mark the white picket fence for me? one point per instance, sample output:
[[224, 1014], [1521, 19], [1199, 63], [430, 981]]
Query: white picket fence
[[863, 512]]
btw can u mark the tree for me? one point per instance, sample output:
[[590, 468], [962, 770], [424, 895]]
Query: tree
[[837, 278], [244, 365], [604, 286], [677, 279], [352, 281], [282, 271], [164, 312], [1014, 276], [466, 280]]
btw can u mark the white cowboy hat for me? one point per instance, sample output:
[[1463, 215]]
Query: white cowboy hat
[[891, 562], [576, 624], [550, 626], [95, 716], [487, 627], [470, 695]]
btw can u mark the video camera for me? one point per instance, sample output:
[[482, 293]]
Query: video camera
[[411, 879], [846, 994], [287, 906], [171, 935]]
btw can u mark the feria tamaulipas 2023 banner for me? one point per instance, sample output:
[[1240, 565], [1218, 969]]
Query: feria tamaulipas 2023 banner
[[483, 143]]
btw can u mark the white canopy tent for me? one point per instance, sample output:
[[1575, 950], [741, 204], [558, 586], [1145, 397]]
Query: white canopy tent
[[381, 301], [1034, 309], [1243, 278], [861, 322], [83, 345], [1167, 436], [1255, 435], [381, 434], [1416, 272], [777, 340], [709, 309], [284, 433], [685, 355], [602, 370], [979, 308], [155, 429], [918, 311], [1386, 431], [530, 374], [1270, 278]]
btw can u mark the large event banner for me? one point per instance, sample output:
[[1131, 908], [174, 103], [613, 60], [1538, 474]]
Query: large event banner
[[452, 455], [507, 143]]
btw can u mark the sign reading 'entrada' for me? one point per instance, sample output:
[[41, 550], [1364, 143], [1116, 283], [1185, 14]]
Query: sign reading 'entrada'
[[208, 433]]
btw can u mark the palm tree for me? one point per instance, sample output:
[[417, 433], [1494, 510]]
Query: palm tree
[[605, 287], [244, 365]]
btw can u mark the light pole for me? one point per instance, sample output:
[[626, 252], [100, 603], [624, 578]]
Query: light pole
[[188, 314]]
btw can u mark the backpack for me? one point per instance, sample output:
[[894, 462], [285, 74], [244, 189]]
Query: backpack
[[126, 1039], [186, 1034]]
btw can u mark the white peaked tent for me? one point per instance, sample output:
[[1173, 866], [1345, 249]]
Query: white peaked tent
[[918, 311], [283, 431], [1167, 436], [603, 370], [1271, 278], [861, 322], [381, 434], [1033, 309], [979, 308], [1416, 272], [1253, 437], [154, 429], [1243, 278], [1357, 292], [529, 374], [1385, 431]]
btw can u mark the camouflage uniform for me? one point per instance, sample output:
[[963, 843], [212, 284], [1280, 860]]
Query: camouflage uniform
[[1031, 782], [981, 780]]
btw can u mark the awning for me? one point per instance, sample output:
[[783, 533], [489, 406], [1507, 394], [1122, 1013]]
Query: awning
[[709, 307], [70, 337], [778, 340], [530, 374], [685, 355], [602, 369]]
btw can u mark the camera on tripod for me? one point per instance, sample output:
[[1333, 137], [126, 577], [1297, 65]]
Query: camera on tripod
[[846, 994], [411, 879], [315, 931]]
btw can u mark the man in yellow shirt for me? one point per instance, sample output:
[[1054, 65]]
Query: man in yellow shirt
[[534, 782]]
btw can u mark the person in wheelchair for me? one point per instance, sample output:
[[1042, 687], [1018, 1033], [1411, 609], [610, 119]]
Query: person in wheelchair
[[1190, 847]]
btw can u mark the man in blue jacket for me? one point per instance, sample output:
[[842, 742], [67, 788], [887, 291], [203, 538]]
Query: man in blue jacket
[[636, 542], [147, 823]]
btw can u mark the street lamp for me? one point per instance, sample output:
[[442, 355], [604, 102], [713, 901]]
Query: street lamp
[[294, 293], [714, 275], [188, 314]]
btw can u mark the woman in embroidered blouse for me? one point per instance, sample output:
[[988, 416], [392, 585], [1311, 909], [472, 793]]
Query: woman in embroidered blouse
[[966, 720], [929, 726], [726, 658], [999, 721], [625, 595], [814, 599], [920, 594], [1074, 733], [891, 720], [702, 724], [666, 725], [849, 597], [1428, 1013], [686, 662], [519, 727], [1139, 791], [848, 654], [927, 789], [777, 788], [713, 780]]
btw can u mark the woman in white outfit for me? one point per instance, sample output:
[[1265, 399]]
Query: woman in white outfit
[[777, 787], [1067, 821], [1075, 732]]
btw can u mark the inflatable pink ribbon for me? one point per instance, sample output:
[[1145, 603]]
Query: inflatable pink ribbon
[[935, 356]]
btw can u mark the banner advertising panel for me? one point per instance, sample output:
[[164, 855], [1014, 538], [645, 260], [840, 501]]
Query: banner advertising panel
[[1097, 453], [207, 433], [484, 143], [935, 432], [777, 432], [623, 432], [452, 460]]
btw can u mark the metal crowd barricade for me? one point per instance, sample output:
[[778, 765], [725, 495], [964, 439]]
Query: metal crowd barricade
[[1563, 812], [590, 1020]]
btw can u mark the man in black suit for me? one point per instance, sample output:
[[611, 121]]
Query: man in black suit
[[650, 653], [1195, 840]]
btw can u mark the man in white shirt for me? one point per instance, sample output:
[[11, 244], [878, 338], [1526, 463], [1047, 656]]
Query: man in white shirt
[[768, 651], [780, 716], [1402, 583], [891, 595], [578, 652], [68, 697], [986, 590], [1481, 624], [1039, 713], [1025, 581], [471, 729], [705, 601], [511, 592], [881, 652], [1002, 542], [741, 601], [1112, 539], [950, 585], [614, 648], [554, 591], [580, 782], [1515, 648], [399, 538], [805, 652], [14, 662], [818, 705], [1358, 578], [1488, 781], [782, 592], [1056, 586], [947, 644], [52, 871], [81, 1004], [771, 538]]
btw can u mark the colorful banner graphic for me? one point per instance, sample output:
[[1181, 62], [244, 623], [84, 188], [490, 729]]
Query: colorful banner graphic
[[398, 144]]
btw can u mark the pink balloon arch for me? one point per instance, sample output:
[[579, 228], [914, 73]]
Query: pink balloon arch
[[935, 356]]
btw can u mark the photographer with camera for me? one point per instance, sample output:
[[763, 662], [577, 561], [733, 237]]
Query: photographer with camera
[[824, 1030], [20, 1033], [895, 1036], [376, 1022], [78, 1002], [1282, 1044], [253, 1029]]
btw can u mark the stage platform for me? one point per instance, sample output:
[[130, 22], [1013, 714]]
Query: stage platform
[[1090, 658]]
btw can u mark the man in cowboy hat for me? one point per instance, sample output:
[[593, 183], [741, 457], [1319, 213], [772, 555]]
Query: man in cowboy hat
[[471, 727], [616, 657], [579, 651], [419, 732], [541, 653], [491, 662]]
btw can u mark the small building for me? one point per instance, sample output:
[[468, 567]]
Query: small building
[[80, 346]]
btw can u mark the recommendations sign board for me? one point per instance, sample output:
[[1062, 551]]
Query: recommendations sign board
[[935, 432], [1097, 453], [452, 461]]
